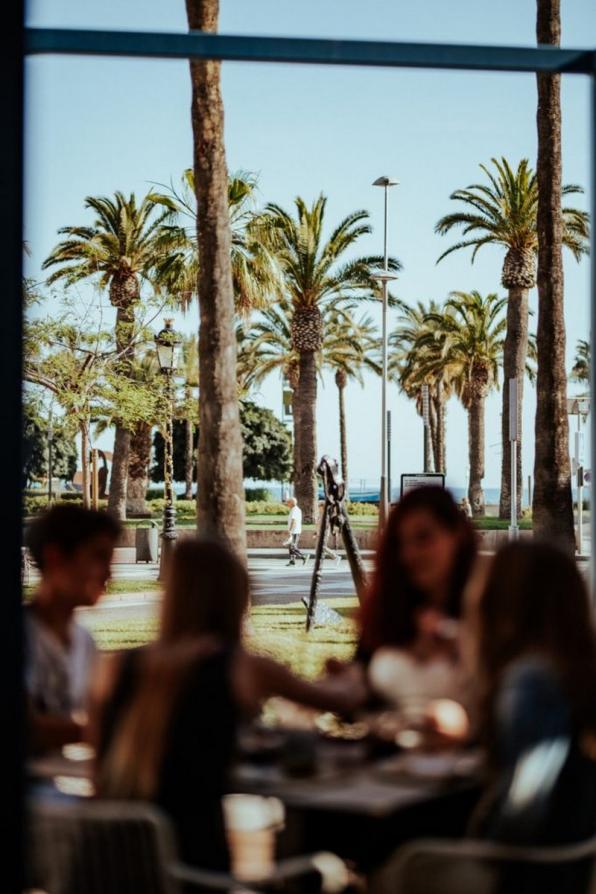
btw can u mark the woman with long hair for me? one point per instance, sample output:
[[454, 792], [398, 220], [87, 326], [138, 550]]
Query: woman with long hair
[[166, 715], [409, 620]]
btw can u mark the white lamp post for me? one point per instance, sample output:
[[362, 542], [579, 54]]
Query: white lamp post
[[384, 276]]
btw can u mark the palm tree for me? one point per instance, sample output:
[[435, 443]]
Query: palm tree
[[580, 371], [348, 346], [220, 485], [417, 359], [120, 250], [552, 505], [504, 212], [314, 274], [474, 329], [190, 373]]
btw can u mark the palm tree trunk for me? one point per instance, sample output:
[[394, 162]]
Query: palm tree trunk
[[553, 507], [86, 482], [439, 400], [343, 439], [428, 448], [296, 438], [119, 476], [476, 455], [305, 479], [138, 469], [434, 432], [515, 352], [220, 487], [189, 455]]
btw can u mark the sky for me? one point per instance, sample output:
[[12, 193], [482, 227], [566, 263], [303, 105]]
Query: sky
[[97, 125]]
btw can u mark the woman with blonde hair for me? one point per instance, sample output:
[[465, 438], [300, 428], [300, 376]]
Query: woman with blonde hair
[[166, 715]]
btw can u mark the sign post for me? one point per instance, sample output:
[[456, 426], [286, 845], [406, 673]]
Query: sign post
[[414, 480]]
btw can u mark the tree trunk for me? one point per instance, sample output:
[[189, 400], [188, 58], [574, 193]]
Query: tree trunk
[[553, 507], [439, 401], [427, 448], [515, 352], [220, 485], [343, 439], [305, 478], [86, 483], [189, 456], [476, 455], [119, 476], [296, 438], [138, 469], [434, 432]]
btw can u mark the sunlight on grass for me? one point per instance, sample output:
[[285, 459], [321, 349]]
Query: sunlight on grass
[[277, 631]]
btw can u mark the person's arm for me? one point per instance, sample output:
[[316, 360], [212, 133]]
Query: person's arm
[[255, 678], [48, 732], [291, 521]]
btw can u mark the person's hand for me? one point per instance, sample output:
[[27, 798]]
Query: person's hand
[[446, 724]]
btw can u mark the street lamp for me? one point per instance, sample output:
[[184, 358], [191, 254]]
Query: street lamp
[[167, 344], [384, 276]]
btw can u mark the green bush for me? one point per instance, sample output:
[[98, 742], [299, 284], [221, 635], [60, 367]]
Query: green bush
[[35, 505], [257, 495], [184, 508], [363, 510], [154, 493], [268, 507]]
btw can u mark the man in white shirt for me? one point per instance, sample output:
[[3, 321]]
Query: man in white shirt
[[294, 531], [72, 547]]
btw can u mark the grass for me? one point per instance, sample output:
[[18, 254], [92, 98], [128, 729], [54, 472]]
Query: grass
[[277, 631], [488, 523]]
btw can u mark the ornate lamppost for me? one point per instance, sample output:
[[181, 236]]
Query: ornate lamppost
[[167, 343]]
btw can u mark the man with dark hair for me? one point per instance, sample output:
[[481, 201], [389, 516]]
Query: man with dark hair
[[72, 547]]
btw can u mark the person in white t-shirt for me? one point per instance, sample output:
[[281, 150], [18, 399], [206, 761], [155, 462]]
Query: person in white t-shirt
[[72, 547], [294, 531]]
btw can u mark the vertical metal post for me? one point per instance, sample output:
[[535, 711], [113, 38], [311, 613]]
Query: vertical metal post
[[168, 535], [388, 457], [383, 484], [94, 480], [579, 471], [593, 340], [513, 433]]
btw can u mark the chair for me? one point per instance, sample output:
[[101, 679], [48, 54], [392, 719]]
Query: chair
[[472, 866], [116, 847]]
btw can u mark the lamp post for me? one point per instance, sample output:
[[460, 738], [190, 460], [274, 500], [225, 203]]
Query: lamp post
[[167, 343], [384, 276]]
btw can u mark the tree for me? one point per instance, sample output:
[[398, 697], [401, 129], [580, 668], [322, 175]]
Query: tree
[[220, 503], [474, 329], [349, 346], [266, 446], [504, 212], [35, 445], [580, 371], [314, 274], [123, 247], [552, 505], [190, 373]]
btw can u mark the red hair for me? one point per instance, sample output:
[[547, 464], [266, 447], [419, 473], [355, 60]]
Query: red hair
[[387, 616]]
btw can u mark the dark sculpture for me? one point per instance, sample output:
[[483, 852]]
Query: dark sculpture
[[335, 519]]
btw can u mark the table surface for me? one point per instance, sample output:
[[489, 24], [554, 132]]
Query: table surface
[[367, 789]]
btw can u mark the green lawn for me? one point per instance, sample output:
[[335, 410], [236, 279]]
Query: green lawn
[[273, 630]]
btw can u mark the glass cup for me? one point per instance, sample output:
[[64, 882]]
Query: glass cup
[[251, 826]]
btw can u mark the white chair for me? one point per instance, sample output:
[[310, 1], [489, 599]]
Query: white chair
[[117, 847]]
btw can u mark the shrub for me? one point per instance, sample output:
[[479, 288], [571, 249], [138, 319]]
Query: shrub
[[266, 508], [257, 495], [362, 509], [35, 505]]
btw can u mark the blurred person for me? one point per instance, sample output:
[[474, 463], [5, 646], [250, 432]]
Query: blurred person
[[72, 547], [294, 531], [410, 618], [166, 715]]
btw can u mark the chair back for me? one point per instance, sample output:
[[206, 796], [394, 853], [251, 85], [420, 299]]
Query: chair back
[[99, 847]]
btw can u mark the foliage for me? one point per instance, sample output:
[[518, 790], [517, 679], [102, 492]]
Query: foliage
[[35, 445], [580, 371], [257, 495], [266, 507]]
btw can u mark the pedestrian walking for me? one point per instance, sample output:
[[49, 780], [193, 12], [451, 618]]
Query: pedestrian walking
[[294, 532]]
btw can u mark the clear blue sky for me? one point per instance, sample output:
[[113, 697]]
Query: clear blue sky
[[96, 125]]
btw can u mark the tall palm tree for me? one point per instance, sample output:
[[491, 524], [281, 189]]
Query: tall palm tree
[[580, 371], [121, 249], [349, 346], [416, 359], [503, 211], [190, 373], [474, 329], [314, 273], [552, 504], [220, 484]]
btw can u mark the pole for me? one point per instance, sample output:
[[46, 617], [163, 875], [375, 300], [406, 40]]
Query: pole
[[593, 338], [580, 484], [530, 491], [50, 460], [389, 457], [513, 412], [383, 487], [168, 536], [94, 480]]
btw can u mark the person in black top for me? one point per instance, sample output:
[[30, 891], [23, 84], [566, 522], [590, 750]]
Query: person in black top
[[165, 716]]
